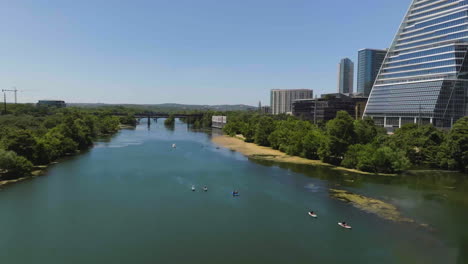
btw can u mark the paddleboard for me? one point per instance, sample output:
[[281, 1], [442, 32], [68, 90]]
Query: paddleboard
[[313, 215], [344, 226]]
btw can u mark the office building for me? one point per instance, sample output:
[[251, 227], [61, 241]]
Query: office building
[[281, 100], [326, 107], [424, 78], [345, 76], [369, 63], [54, 103]]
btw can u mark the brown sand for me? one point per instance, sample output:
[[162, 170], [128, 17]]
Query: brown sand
[[265, 153]]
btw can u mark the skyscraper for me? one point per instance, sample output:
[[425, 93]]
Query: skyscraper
[[345, 76], [281, 100], [369, 63], [424, 76]]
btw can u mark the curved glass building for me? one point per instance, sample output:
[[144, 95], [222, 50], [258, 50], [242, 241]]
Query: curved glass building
[[424, 77]]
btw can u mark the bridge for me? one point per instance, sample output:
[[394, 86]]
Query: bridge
[[157, 115]]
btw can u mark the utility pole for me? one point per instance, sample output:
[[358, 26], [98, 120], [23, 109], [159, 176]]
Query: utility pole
[[315, 110], [419, 121]]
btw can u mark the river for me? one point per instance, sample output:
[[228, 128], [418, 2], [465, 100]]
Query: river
[[129, 200]]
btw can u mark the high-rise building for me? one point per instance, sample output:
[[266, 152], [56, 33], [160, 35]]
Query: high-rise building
[[281, 100], [369, 63], [345, 76], [424, 77]]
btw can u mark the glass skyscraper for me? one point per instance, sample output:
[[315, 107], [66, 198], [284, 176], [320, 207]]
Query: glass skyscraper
[[369, 63], [345, 76], [424, 77]]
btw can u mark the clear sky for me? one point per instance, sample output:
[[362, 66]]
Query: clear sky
[[184, 51]]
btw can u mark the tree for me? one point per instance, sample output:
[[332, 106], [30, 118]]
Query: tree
[[340, 134], [21, 141], [375, 159], [13, 166], [170, 121], [311, 143], [457, 144], [265, 127], [421, 144], [366, 130], [108, 125]]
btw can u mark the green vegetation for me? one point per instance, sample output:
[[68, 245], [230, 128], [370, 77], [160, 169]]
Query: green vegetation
[[357, 144], [32, 136], [170, 121]]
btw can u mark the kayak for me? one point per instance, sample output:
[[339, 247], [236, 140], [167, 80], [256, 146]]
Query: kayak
[[313, 215], [344, 226]]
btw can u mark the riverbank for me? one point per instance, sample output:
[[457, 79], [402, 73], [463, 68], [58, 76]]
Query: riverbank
[[254, 151]]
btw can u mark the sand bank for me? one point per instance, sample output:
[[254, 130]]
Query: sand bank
[[265, 153]]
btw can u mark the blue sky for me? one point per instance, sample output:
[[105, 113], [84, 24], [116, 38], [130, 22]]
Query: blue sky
[[184, 51]]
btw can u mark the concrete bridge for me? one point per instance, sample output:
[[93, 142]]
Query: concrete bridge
[[156, 115]]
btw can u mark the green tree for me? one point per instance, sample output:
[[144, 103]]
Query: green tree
[[265, 127], [13, 166], [366, 131], [457, 144], [375, 159], [421, 144], [170, 121], [340, 134], [21, 141], [311, 143]]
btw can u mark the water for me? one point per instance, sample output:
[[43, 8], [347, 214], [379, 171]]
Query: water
[[129, 200]]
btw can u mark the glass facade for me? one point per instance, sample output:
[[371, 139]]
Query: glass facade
[[369, 63], [424, 77], [345, 76]]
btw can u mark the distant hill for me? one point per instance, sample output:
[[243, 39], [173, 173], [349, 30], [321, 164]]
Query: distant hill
[[170, 106]]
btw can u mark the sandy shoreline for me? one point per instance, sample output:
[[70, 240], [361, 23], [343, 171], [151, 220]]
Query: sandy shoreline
[[265, 153]]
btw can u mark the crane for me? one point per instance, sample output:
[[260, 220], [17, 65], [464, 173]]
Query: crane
[[4, 97], [14, 90]]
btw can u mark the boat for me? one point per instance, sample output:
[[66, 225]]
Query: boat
[[344, 225], [205, 189], [235, 193], [313, 215], [193, 188], [173, 145]]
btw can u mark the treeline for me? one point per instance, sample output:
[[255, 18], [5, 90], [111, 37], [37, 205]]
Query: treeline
[[357, 144], [31, 136], [203, 122]]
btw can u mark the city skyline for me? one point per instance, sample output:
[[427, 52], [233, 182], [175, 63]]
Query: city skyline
[[158, 52]]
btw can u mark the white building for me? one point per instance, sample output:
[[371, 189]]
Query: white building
[[218, 121], [282, 100]]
